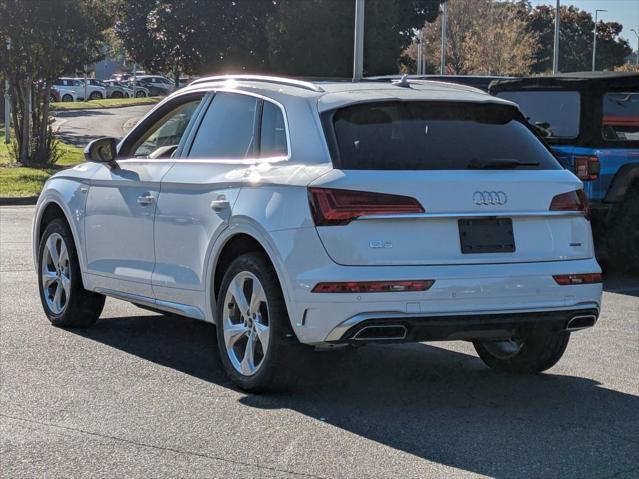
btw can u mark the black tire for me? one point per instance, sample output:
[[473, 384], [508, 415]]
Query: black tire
[[82, 308], [140, 94], [275, 368], [96, 95], [67, 98], [117, 94], [538, 353], [624, 233]]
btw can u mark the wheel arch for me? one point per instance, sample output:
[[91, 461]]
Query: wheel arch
[[626, 178], [49, 208], [239, 239]]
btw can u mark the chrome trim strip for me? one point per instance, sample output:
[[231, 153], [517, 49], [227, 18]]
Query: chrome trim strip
[[589, 316], [472, 214], [168, 306], [338, 331]]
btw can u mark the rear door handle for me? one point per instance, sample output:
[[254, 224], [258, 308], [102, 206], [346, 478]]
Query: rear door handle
[[145, 199], [220, 204]]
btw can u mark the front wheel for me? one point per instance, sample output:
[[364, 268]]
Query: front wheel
[[64, 299], [67, 98], [254, 334], [96, 95], [140, 94], [117, 94], [530, 355]]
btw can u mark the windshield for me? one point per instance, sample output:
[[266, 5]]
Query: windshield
[[436, 136], [557, 112]]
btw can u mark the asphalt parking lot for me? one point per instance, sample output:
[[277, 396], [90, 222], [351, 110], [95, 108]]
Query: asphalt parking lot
[[142, 395]]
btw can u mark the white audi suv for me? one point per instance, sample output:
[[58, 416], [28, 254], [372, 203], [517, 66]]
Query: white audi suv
[[326, 214]]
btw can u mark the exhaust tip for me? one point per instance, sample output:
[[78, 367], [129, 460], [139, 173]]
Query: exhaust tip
[[381, 333], [581, 322]]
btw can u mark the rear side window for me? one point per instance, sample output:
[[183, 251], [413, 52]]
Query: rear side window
[[272, 132], [556, 111], [621, 117], [227, 130], [435, 136]]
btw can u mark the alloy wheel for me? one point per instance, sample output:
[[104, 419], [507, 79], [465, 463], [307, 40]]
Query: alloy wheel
[[56, 274], [245, 323]]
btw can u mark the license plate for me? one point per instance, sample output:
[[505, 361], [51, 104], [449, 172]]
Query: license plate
[[486, 235]]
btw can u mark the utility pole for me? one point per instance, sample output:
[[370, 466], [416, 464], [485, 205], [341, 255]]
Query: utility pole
[[555, 55], [594, 39], [637, 52], [85, 83], [7, 105], [442, 65], [358, 52]]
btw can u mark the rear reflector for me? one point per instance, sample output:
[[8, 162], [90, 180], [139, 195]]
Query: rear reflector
[[571, 201], [587, 167], [582, 278], [373, 286], [332, 207]]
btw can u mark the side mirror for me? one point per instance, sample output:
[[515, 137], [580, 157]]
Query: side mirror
[[102, 150]]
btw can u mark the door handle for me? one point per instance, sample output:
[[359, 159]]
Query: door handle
[[221, 203], [145, 199]]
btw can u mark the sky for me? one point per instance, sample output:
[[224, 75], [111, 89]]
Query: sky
[[625, 12]]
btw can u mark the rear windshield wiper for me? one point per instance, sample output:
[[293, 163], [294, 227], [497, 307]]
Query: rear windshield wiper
[[498, 163]]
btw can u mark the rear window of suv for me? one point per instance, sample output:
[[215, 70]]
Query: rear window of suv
[[434, 136]]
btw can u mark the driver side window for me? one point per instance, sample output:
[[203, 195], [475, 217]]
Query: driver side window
[[163, 138]]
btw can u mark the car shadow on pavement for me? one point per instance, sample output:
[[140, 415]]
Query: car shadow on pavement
[[428, 401]]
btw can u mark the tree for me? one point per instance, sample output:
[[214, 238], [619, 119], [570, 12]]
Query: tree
[[46, 38], [482, 37], [575, 40], [499, 42], [315, 37]]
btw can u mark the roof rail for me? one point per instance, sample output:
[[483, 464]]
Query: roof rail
[[261, 78]]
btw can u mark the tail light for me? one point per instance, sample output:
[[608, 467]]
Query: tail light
[[571, 201], [582, 278], [332, 207], [373, 286], [587, 167]]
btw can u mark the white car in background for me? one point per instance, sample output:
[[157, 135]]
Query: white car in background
[[113, 90], [327, 214], [77, 85], [64, 94]]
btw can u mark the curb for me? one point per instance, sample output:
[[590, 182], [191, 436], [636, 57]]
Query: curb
[[18, 201]]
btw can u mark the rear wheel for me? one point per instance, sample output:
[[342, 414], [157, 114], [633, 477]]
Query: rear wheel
[[529, 355], [254, 334], [624, 238], [67, 98], [140, 94], [117, 94], [63, 297], [96, 95]]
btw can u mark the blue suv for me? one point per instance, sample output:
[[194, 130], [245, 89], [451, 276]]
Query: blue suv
[[591, 122]]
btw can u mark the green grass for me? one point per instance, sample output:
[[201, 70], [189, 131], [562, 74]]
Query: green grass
[[108, 103], [21, 181]]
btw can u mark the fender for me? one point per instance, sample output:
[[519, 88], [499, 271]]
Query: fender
[[244, 225], [63, 197], [621, 183]]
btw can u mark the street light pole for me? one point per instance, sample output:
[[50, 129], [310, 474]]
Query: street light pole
[[555, 55], [594, 39], [442, 63], [637, 52], [358, 51]]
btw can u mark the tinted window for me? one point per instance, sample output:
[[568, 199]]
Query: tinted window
[[272, 132], [556, 111], [435, 136], [227, 130], [621, 117], [161, 140]]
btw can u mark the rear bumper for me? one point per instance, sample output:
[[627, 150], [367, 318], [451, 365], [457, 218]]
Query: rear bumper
[[384, 327]]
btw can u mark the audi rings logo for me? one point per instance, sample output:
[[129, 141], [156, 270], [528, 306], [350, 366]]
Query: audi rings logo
[[490, 198]]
